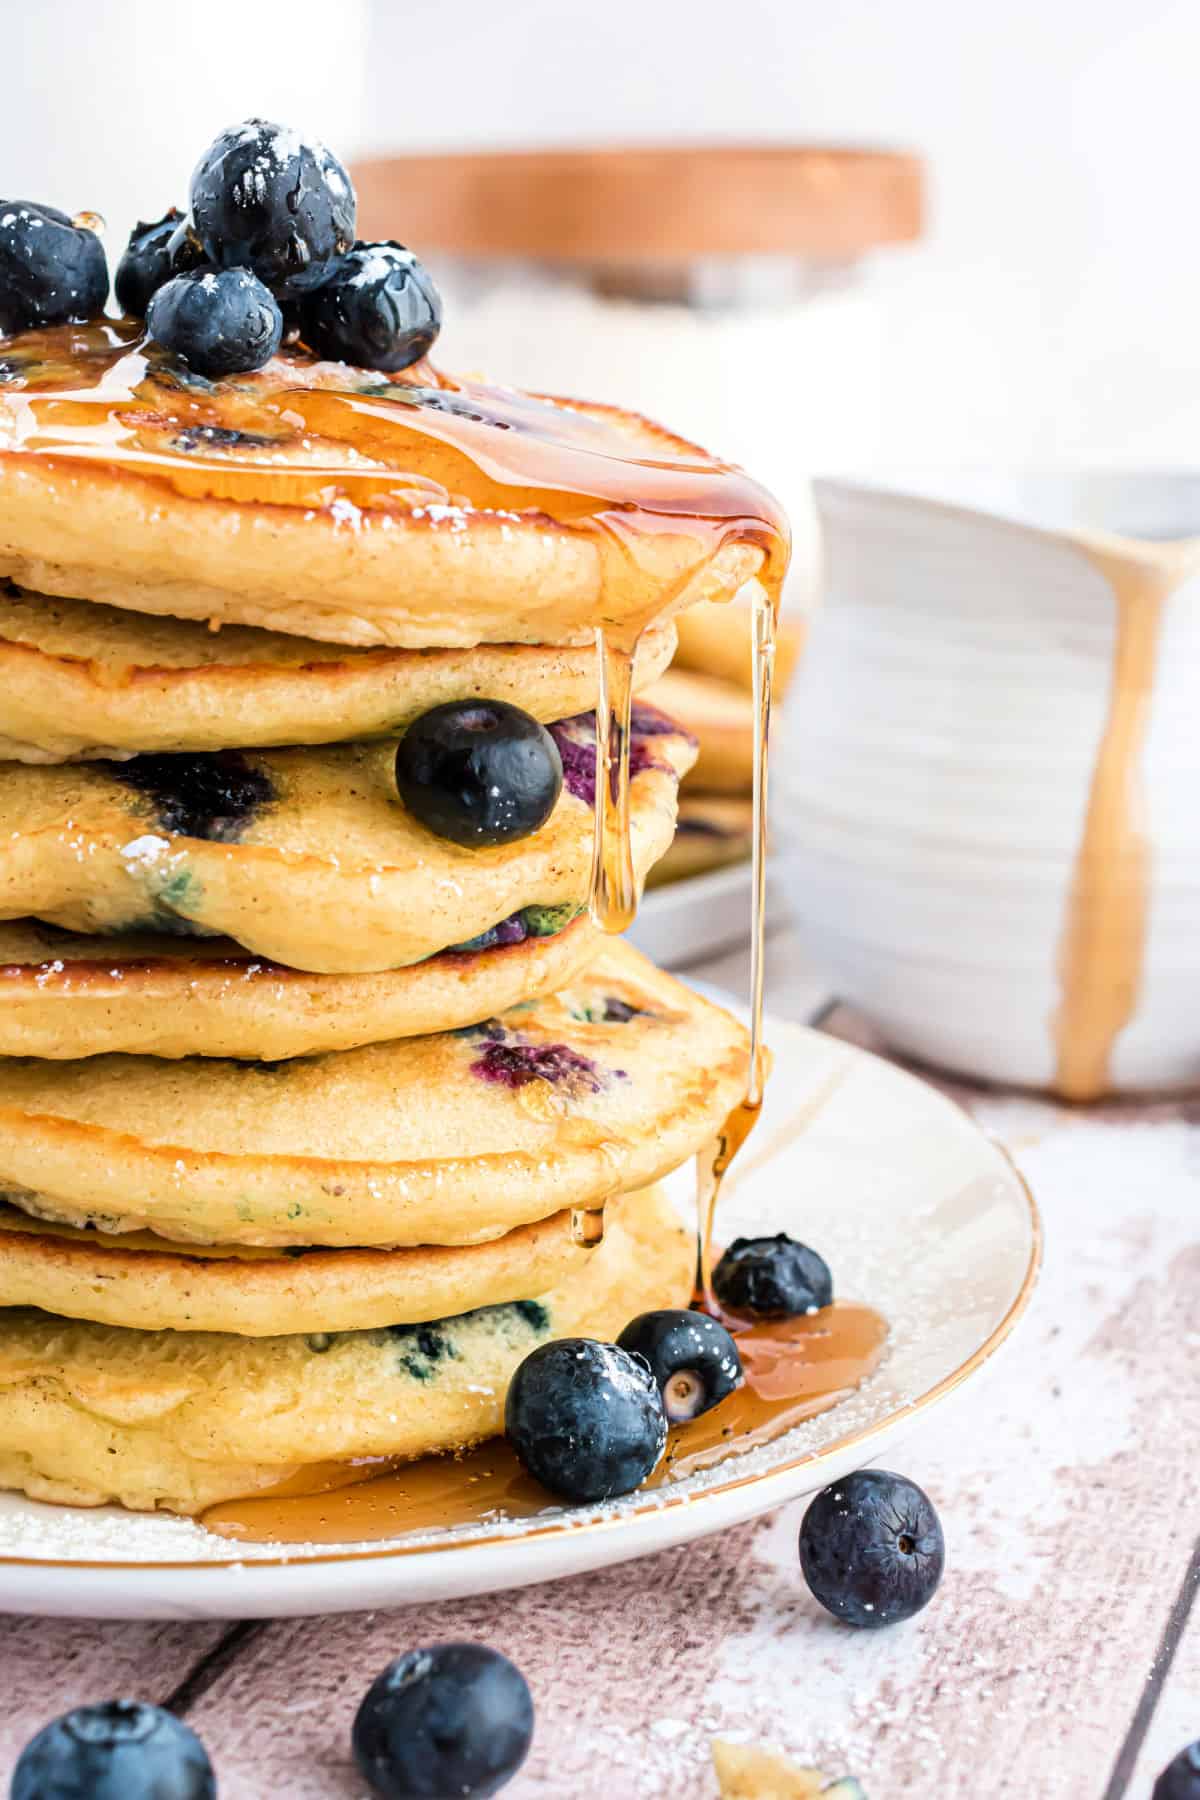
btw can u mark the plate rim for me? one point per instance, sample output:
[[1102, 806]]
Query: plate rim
[[293, 1558]]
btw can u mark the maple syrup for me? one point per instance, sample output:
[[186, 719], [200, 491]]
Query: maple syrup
[[1103, 943], [795, 1369]]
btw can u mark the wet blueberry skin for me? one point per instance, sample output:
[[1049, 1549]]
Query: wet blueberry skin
[[871, 1548], [51, 272], [377, 308], [772, 1278], [450, 1719], [1180, 1780], [221, 322], [119, 1750], [693, 1359], [266, 199], [478, 772], [585, 1419], [147, 263]]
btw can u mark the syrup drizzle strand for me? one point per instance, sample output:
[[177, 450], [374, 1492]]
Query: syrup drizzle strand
[[613, 897], [712, 1163]]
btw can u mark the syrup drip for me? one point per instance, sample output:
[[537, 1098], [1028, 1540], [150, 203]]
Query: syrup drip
[[795, 1369], [613, 899], [587, 1226], [712, 1164]]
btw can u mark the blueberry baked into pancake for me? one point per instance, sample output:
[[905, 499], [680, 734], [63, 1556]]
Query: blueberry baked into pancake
[[332, 1112]]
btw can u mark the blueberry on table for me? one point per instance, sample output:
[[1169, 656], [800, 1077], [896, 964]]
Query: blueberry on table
[[51, 271], [267, 199], [478, 772], [376, 308], [871, 1548], [153, 254], [454, 1719], [585, 1419], [219, 322], [119, 1750], [772, 1278], [1180, 1780], [693, 1359]]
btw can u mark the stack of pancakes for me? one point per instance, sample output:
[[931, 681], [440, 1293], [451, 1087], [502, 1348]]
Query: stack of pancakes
[[709, 690], [307, 1116]]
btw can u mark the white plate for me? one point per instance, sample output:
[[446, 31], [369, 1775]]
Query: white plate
[[918, 1213]]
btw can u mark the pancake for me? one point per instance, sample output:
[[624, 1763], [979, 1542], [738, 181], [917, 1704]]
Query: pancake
[[67, 996], [180, 1420], [714, 830], [353, 507], [307, 857], [717, 640], [80, 681], [452, 1138], [143, 1282], [721, 719]]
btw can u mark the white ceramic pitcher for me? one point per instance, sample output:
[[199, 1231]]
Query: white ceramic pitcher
[[987, 793]]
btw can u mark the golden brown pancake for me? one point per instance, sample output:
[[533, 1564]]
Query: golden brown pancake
[[452, 1138], [714, 830], [79, 681], [721, 719], [180, 1420], [147, 1283], [356, 508], [717, 640], [66, 996], [307, 857]]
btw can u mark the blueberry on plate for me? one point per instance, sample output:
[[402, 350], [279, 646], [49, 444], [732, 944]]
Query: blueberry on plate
[[119, 1750], [149, 260], [266, 199], [585, 1418], [693, 1359], [51, 271], [772, 1278], [478, 772], [871, 1548], [452, 1719], [219, 322], [376, 308], [1180, 1780]]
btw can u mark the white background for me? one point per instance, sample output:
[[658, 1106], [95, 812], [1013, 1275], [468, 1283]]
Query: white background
[[1052, 313]]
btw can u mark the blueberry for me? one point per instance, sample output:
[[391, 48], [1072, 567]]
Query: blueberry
[[585, 1418], [376, 308], [154, 253], [220, 322], [693, 1359], [266, 199], [51, 272], [455, 1719], [772, 1278], [871, 1548], [478, 772], [1180, 1780], [119, 1750]]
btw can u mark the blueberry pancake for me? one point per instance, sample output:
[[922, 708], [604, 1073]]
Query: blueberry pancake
[[720, 717], [145, 1282], [452, 1138], [181, 1419], [713, 831], [717, 640], [80, 681], [65, 996], [307, 857], [354, 506]]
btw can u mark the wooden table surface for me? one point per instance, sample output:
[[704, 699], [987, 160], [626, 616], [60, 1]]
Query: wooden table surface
[[1061, 1656]]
